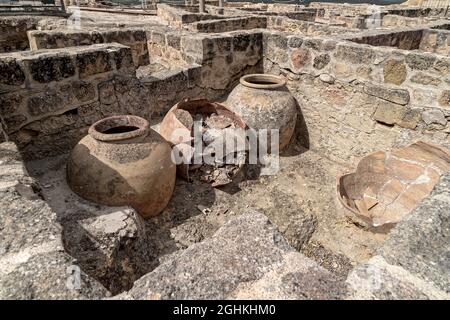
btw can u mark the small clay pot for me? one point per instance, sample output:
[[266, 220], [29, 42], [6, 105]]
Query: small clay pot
[[264, 102], [123, 162]]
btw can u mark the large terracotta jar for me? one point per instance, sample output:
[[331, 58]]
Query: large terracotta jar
[[123, 162], [264, 102]]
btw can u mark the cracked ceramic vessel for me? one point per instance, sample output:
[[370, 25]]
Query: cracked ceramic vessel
[[176, 132], [123, 162], [264, 102]]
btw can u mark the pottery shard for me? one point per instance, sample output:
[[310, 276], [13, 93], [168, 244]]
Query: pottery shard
[[185, 118], [394, 72], [403, 170]]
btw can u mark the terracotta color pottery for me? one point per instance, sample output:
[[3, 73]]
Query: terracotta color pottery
[[387, 186], [264, 102], [176, 126], [123, 162]]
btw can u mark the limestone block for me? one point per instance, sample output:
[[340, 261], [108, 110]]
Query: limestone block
[[93, 62], [394, 72], [419, 61], [11, 73], [399, 96], [48, 69]]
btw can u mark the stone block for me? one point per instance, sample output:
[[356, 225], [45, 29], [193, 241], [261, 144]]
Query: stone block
[[419, 61], [295, 42], [394, 71], [300, 58], [444, 98], [9, 103], [48, 69], [425, 79], [389, 113], [11, 73], [112, 247], [355, 54], [321, 61], [434, 116], [241, 42], [93, 62], [377, 279], [246, 258], [399, 96]]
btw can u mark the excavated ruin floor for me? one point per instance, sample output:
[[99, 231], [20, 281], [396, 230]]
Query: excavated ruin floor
[[304, 188]]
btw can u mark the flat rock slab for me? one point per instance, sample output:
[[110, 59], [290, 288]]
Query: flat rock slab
[[33, 263], [246, 258]]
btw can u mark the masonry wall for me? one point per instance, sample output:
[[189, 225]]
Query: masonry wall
[[437, 41], [133, 38], [357, 99], [48, 98]]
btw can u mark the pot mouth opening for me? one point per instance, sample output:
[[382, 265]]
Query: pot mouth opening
[[262, 81], [119, 128]]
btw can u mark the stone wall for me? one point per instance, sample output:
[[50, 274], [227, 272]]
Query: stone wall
[[226, 25], [133, 38], [53, 95], [407, 40], [223, 57], [358, 99], [13, 31], [305, 27], [176, 16], [49, 98], [436, 41]]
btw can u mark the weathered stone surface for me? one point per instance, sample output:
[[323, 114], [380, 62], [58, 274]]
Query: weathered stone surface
[[355, 54], [33, 264], [93, 62], [300, 58], [45, 103], [321, 61], [326, 78], [419, 61], [48, 69], [241, 260], [11, 73], [444, 98], [9, 103], [413, 263], [389, 113], [399, 96], [378, 279], [423, 78], [112, 247], [419, 243], [434, 116], [394, 72]]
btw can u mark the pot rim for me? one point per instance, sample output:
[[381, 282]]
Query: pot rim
[[97, 129], [272, 81]]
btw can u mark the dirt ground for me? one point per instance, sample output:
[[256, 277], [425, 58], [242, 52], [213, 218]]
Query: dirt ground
[[303, 190]]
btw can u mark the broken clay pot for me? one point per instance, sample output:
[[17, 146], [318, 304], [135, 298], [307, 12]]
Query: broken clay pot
[[387, 186], [177, 128], [123, 162], [264, 102]]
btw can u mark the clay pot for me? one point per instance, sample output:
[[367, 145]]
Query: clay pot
[[264, 102], [123, 162]]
